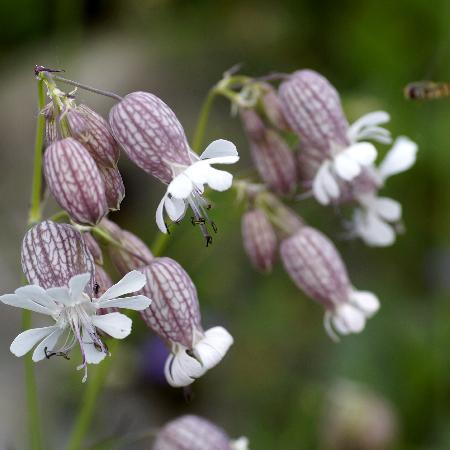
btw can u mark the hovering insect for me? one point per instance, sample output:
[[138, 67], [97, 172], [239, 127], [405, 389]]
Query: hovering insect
[[426, 90]]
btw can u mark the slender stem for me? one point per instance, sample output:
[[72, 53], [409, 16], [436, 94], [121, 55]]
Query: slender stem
[[203, 120], [35, 207], [88, 88], [89, 401], [35, 438]]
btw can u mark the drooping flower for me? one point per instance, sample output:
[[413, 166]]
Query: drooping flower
[[315, 266], [339, 152], [259, 239], [154, 139], [76, 316], [175, 316], [195, 433], [114, 187], [75, 181], [274, 160], [375, 219]]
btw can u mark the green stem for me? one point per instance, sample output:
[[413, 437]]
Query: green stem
[[95, 382], [35, 438], [203, 120], [35, 207]]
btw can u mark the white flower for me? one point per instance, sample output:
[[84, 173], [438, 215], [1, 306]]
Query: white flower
[[187, 186], [374, 221], [351, 315], [76, 316], [241, 443], [184, 366], [346, 163]]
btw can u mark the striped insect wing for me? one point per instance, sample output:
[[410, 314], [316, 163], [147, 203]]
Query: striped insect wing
[[315, 266], [191, 433], [259, 239], [114, 187], [150, 133], [53, 253], [312, 107], [174, 313], [75, 181], [93, 131]]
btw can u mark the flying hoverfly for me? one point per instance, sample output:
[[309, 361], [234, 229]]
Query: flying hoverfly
[[426, 90]]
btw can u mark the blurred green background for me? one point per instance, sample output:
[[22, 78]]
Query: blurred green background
[[274, 385]]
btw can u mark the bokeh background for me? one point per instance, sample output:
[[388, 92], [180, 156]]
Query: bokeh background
[[284, 384]]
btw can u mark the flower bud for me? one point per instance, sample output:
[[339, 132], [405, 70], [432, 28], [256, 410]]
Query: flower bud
[[175, 316], [51, 129], [260, 240], [150, 133], [273, 158], [273, 109], [75, 181], [312, 107], [93, 247], [315, 266], [195, 433], [53, 253], [114, 188], [133, 254], [93, 131]]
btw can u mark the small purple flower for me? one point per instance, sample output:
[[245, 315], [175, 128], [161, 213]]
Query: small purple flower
[[195, 433], [175, 316], [53, 253], [92, 130], [339, 152], [133, 252], [259, 239], [273, 158], [154, 139], [75, 181], [315, 266]]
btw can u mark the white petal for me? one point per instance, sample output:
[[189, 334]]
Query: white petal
[[60, 295], [115, 324], [372, 229], [213, 346], [346, 167], [132, 282], [400, 158], [160, 216], [77, 284], [219, 180], [377, 134], [181, 186], [175, 208], [325, 186], [137, 303], [91, 353], [37, 295], [366, 301], [219, 148], [23, 343], [48, 343], [388, 209], [348, 319], [181, 369], [240, 444], [20, 301], [368, 120]]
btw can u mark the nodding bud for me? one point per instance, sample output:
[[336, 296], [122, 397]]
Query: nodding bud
[[51, 129], [312, 107], [133, 252], [274, 160], [273, 109], [259, 239], [93, 247], [175, 316], [114, 187], [93, 131], [53, 253], [75, 181], [315, 266], [195, 433], [150, 133]]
